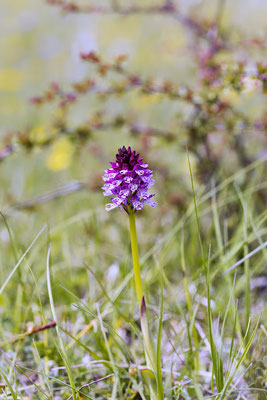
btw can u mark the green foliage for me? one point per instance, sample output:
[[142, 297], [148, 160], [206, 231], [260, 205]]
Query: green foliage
[[69, 319]]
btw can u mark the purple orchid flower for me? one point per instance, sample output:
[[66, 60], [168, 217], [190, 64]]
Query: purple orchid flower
[[128, 181]]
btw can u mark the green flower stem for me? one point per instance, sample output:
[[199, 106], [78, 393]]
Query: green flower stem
[[136, 265], [148, 343]]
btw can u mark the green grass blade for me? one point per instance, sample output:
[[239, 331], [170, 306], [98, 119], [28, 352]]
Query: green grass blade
[[8, 385], [21, 259], [62, 347], [216, 361], [237, 364], [158, 355]]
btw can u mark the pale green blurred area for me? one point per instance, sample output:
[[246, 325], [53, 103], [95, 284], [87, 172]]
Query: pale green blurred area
[[39, 44]]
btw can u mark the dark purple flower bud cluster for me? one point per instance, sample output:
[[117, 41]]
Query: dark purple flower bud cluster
[[127, 181]]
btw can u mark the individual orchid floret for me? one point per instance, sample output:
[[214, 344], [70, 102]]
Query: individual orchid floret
[[128, 181]]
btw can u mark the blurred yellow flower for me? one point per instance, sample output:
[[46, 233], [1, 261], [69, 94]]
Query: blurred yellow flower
[[10, 79], [38, 135], [41, 134], [60, 155]]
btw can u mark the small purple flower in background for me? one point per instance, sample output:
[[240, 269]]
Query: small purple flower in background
[[127, 181]]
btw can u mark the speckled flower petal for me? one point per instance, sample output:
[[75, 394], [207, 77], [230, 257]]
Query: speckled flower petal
[[127, 181]]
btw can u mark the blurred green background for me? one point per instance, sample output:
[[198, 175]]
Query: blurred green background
[[40, 44]]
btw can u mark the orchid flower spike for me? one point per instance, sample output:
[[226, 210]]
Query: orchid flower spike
[[128, 181]]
